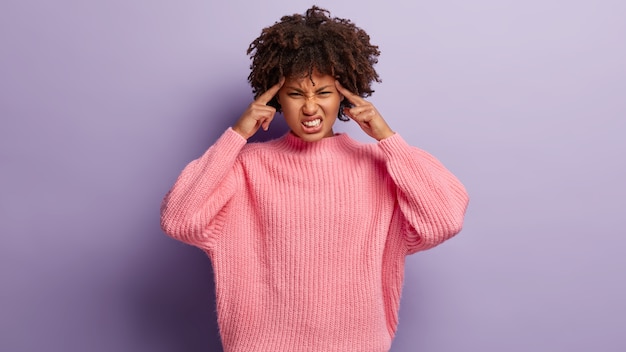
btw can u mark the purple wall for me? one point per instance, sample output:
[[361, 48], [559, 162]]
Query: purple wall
[[103, 103]]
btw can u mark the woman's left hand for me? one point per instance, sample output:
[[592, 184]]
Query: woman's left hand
[[365, 114]]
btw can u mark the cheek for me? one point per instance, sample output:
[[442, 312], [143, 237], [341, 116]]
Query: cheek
[[285, 102], [289, 107], [290, 112], [332, 105]]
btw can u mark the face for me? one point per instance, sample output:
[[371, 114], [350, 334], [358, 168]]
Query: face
[[310, 108]]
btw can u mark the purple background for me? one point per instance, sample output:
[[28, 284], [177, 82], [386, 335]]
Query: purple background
[[103, 103]]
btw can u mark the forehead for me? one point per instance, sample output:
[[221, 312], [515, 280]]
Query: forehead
[[314, 81]]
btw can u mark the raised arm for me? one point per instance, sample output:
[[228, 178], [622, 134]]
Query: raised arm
[[432, 200], [201, 191], [207, 183]]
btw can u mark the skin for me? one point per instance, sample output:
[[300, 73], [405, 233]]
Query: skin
[[302, 102], [306, 100]]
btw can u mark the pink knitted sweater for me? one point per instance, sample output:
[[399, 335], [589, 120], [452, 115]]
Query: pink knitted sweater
[[308, 240]]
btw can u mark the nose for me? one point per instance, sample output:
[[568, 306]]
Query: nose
[[310, 106]]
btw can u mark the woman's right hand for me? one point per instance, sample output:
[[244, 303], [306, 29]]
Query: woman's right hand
[[258, 114]]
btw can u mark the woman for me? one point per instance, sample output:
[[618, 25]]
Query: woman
[[308, 233]]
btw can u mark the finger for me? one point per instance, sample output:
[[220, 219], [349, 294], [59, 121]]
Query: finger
[[266, 123], [347, 111], [353, 98], [259, 110], [363, 113], [270, 93]]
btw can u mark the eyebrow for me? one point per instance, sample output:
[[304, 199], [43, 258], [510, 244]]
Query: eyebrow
[[317, 90]]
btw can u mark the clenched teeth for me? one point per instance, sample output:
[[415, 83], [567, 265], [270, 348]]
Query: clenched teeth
[[312, 123]]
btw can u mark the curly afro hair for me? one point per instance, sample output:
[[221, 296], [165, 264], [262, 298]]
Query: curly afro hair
[[300, 44]]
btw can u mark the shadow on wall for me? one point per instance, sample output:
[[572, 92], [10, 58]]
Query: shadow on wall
[[174, 302], [278, 129]]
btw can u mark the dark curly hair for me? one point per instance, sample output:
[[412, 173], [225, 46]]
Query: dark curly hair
[[300, 44]]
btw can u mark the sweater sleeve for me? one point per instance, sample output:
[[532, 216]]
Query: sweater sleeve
[[201, 191], [432, 200]]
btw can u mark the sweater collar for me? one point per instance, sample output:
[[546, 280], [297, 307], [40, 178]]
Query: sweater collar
[[340, 141]]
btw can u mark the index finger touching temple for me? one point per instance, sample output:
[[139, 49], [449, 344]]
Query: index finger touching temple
[[270, 93], [353, 98]]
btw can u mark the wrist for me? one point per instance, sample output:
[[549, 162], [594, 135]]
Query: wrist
[[384, 135], [238, 130]]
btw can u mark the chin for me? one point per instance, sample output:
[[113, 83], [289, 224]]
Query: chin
[[308, 137]]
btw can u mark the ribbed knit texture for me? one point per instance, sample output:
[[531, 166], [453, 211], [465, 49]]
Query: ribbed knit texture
[[308, 239]]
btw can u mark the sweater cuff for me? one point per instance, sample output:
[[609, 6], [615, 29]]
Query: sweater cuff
[[393, 144], [230, 142], [232, 132]]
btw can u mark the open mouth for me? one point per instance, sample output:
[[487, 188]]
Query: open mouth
[[312, 123]]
